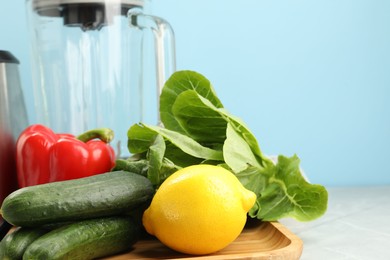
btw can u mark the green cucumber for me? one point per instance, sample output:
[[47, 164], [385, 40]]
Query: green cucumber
[[13, 245], [86, 239], [106, 194]]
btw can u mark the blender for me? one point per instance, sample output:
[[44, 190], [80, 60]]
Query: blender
[[98, 63]]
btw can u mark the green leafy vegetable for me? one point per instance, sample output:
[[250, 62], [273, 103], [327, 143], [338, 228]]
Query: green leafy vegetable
[[155, 157], [198, 129], [237, 152], [283, 192], [198, 117], [175, 85], [185, 143]]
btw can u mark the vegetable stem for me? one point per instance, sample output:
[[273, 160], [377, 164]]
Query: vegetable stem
[[104, 134]]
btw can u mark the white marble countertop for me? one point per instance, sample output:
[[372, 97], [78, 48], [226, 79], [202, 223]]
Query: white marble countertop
[[355, 226]]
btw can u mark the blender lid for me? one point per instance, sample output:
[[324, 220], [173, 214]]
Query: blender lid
[[48, 4], [7, 57], [85, 14]]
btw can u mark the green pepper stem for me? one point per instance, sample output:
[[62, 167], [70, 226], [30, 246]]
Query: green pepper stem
[[104, 134]]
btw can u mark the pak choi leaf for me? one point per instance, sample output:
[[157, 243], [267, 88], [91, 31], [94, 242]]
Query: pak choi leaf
[[179, 82]]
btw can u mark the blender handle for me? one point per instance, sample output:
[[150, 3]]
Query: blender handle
[[164, 43]]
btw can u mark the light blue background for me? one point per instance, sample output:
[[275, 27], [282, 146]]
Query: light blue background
[[308, 77]]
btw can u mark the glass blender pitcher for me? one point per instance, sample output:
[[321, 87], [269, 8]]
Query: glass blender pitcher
[[98, 63]]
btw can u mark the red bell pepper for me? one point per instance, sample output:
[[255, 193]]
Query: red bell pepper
[[43, 156]]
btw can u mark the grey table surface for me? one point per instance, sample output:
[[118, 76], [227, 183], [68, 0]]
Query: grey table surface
[[355, 226]]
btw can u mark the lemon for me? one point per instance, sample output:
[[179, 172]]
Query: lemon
[[199, 210]]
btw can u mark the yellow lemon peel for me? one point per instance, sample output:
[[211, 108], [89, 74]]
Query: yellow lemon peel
[[199, 210]]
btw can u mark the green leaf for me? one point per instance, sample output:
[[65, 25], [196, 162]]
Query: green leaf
[[283, 192], [135, 165], [186, 144], [241, 128], [236, 151], [199, 118], [180, 158], [155, 157], [207, 123], [254, 179], [167, 168], [182, 152], [181, 81], [140, 138]]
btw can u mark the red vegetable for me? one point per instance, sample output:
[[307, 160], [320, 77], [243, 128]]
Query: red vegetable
[[43, 156]]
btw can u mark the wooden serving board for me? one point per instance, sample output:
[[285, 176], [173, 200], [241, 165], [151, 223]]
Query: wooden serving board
[[259, 240]]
